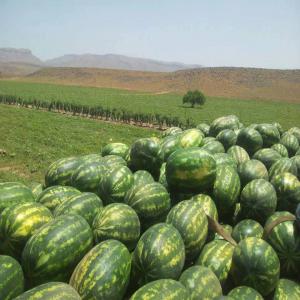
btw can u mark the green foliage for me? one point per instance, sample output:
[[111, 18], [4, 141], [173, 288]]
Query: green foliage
[[194, 98]]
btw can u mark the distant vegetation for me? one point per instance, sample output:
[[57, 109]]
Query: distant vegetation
[[194, 98]]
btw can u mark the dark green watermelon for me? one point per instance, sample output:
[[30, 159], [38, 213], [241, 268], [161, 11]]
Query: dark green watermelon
[[55, 249], [117, 221], [11, 278], [104, 272], [281, 166], [269, 133], [258, 200], [247, 228], [245, 293], [86, 205], [238, 153], [225, 158], [159, 254], [296, 161], [290, 142], [249, 139], [267, 156], [255, 264], [214, 147], [281, 150], [190, 138], [167, 147], [190, 170], [111, 161], [190, 220], [227, 137], [12, 193], [225, 122], [119, 149], [201, 283], [287, 290]]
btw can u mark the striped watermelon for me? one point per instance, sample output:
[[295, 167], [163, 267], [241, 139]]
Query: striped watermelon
[[207, 204], [52, 196], [142, 177], [94, 157], [298, 216], [258, 200], [172, 131], [11, 278], [226, 190], [287, 290], [150, 201], [36, 189], [51, 291], [115, 184], [247, 228], [190, 220], [104, 272], [269, 133], [249, 139], [278, 126], [281, 166], [201, 283], [225, 158], [296, 161], [190, 138], [12, 193], [225, 122], [287, 187], [285, 240], [296, 132], [255, 264], [217, 236], [214, 147], [159, 254], [54, 250], [217, 255], [119, 149], [190, 170], [267, 156], [18, 223], [252, 169], [167, 289], [281, 150], [167, 147], [290, 142], [238, 153], [60, 172], [111, 161], [227, 137], [245, 293], [86, 205], [208, 139], [117, 221], [204, 128], [162, 176]]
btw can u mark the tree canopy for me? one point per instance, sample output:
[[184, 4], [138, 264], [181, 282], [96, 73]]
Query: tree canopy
[[194, 98]]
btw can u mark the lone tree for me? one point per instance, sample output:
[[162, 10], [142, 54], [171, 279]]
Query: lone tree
[[194, 97]]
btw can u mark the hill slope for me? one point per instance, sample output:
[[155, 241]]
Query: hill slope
[[243, 83]]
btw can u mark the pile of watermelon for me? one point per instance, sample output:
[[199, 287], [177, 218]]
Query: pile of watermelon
[[211, 212]]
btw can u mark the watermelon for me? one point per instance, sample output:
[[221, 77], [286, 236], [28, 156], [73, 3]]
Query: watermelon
[[119, 149], [247, 228], [213, 147], [250, 140], [12, 193], [285, 240], [281, 166], [267, 156], [298, 216], [287, 290], [287, 187], [104, 272], [208, 139], [201, 283], [207, 204], [217, 255], [167, 147], [117, 221], [225, 122], [11, 278], [115, 184], [162, 176], [36, 189], [227, 137], [190, 220], [278, 126], [60, 172], [269, 134], [142, 177], [190, 170], [204, 128], [255, 264], [172, 131], [50, 291], [296, 132], [150, 201], [238, 153], [224, 158], [296, 161], [245, 293], [111, 161], [55, 249], [52, 196], [281, 150], [159, 254], [252, 169], [18, 223], [217, 236], [190, 138], [144, 156], [86, 205], [290, 142], [167, 289], [87, 176], [226, 190], [94, 157]]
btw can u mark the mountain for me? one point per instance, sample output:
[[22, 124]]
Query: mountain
[[114, 61], [24, 56]]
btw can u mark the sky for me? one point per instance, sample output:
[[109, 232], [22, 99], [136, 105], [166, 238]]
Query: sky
[[249, 33]]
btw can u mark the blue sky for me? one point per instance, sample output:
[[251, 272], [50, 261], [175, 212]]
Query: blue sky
[[252, 33]]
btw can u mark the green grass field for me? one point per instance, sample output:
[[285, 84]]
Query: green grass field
[[249, 111], [34, 139]]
